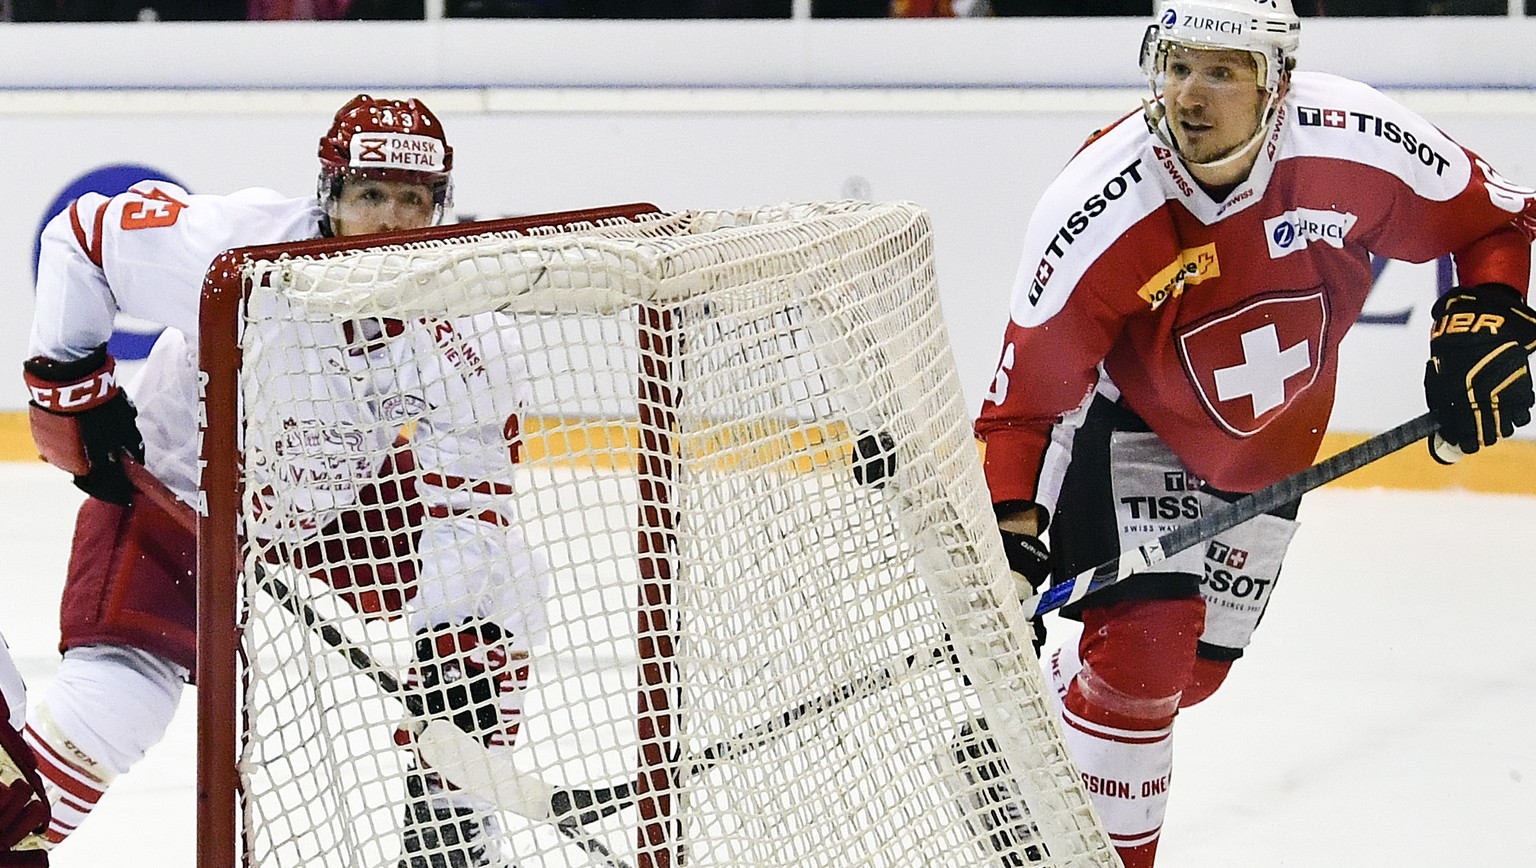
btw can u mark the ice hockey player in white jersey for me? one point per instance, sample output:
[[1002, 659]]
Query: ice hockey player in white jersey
[[1173, 342], [442, 546]]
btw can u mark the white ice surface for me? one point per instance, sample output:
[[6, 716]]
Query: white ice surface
[[1385, 714]]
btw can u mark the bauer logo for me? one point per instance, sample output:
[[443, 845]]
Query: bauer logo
[[1294, 230], [397, 151]]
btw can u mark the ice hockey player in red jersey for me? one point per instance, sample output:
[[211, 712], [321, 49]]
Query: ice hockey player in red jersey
[[23, 802], [1173, 342], [128, 610]]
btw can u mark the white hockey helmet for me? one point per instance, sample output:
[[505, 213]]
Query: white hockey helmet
[[1269, 29]]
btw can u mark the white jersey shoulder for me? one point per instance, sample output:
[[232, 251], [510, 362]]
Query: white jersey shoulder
[[144, 253], [1344, 119], [1103, 191], [162, 239]]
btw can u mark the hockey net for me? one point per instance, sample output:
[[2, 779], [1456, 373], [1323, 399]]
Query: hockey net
[[780, 623]]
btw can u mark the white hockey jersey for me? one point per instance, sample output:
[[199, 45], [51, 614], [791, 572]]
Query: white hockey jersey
[[144, 253], [349, 395]]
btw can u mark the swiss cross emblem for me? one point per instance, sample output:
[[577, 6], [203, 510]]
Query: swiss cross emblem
[[1043, 272], [1311, 116], [1248, 364]]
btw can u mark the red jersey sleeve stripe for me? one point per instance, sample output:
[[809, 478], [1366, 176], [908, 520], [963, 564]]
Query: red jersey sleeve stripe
[[90, 245]]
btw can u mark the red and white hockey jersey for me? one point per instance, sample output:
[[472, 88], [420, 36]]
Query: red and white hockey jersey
[[1219, 322], [145, 253]]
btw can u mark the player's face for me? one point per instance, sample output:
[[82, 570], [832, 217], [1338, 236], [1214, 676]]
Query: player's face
[[366, 206], [1214, 100]]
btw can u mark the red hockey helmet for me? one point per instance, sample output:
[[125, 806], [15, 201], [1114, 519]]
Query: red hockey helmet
[[386, 140]]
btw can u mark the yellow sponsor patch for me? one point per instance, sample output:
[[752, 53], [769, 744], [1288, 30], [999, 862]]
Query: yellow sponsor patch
[[1193, 266]]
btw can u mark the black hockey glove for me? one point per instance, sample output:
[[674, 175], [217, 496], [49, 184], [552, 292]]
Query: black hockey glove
[[1478, 379], [467, 677], [82, 422], [874, 458], [1029, 559]]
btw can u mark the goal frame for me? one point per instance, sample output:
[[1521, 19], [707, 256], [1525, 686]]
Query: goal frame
[[952, 567]]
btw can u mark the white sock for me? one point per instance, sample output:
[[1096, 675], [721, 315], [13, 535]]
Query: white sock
[[1126, 772], [107, 706]]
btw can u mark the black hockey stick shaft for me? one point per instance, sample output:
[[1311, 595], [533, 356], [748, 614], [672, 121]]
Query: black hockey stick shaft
[[583, 806], [1229, 516], [149, 486], [386, 680], [587, 806], [590, 805]]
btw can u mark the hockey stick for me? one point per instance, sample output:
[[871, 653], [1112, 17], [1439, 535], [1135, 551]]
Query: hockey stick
[[491, 775], [587, 806], [1228, 516], [453, 753], [494, 777]]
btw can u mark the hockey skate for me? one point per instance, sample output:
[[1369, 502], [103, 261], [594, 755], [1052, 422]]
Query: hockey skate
[[440, 833], [990, 801]]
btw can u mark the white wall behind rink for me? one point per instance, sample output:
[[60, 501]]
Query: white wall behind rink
[[970, 119]]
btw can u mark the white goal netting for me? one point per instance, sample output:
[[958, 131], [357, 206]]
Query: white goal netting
[[706, 479]]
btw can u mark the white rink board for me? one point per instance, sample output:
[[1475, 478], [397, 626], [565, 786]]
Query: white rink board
[[976, 159], [969, 118]]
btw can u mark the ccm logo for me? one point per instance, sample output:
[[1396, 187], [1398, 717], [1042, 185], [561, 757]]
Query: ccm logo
[[74, 397]]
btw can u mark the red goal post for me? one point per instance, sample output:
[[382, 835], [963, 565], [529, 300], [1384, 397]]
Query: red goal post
[[752, 575]]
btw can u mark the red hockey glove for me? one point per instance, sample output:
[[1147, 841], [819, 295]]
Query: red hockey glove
[[23, 806], [374, 590], [1478, 379], [81, 422], [368, 556], [1028, 558]]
